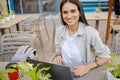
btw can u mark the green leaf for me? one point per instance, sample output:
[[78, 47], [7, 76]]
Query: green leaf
[[110, 65], [45, 68], [39, 74], [25, 66], [48, 75], [2, 72], [10, 70], [112, 55], [119, 66], [98, 10], [3, 77], [116, 73]]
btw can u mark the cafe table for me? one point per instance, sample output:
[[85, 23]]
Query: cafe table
[[12, 22], [95, 74], [99, 73], [97, 17]]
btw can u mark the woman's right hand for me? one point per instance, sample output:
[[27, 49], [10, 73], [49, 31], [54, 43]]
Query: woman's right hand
[[58, 60]]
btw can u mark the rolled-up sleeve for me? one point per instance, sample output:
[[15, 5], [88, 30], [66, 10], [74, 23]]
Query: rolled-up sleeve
[[57, 45], [101, 49], [58, 39]]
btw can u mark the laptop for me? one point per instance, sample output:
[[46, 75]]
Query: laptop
[[58, 72]]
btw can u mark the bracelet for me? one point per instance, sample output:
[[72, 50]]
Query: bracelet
[[96, 64]]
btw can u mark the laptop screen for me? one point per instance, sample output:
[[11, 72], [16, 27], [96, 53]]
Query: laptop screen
[[58, 72]]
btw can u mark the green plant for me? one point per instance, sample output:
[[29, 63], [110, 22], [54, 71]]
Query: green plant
[[1, 17], [27, 69], [7, 15], [115, 65], [4, 72], [33, 72], [12, 12], [98, 10]]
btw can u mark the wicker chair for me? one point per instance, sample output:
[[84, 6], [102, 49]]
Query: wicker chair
[[11, 42]]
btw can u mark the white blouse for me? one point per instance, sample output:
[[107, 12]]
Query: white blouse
[[70, 51], [87, 39]]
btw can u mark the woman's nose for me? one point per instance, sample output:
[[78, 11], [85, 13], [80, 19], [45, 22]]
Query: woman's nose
[[69, 15]]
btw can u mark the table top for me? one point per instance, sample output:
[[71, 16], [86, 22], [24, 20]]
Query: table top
[[2, 65], [97, 16], [14, 21], [99, 73], [95, 74], [115, 27]]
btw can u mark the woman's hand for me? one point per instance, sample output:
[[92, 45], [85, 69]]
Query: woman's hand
[[58, 60], [81, 70]]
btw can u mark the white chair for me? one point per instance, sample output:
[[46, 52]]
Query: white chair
[[54, 32], [36, 26], [42, 23], [33, 28], [36, 29], [11, 42]]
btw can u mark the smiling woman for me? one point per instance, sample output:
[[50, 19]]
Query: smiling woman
[[71, 15], [76, 39]]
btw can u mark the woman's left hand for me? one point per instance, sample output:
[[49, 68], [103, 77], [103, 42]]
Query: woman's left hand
[[81, 70]]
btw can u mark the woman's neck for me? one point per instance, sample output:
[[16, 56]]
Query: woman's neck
[[73, 29]]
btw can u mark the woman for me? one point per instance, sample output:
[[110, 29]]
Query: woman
[[75, 39]]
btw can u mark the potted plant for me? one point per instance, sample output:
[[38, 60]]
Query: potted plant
[[113, 72], [4, 72], [12, 14], [98, 11], [7, 16], [2, 20], [28, 70], [33, 72]]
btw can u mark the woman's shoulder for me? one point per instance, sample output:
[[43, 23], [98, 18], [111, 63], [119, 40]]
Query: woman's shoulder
[[61, 28], [90, 29], [91, 32]]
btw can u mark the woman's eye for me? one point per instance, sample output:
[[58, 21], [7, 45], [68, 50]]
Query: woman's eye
[[65, 12], [73, 11]]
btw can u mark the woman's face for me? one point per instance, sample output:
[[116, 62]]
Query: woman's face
[[70, 14]]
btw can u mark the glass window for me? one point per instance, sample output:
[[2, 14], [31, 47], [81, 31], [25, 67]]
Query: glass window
[[36, 6], [49, 5], [30, 6], [17, 6]]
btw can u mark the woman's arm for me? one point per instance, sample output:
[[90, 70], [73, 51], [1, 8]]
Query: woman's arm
[[98, 62], [101, 51], [83, 69], [57, 59], [102, 61]]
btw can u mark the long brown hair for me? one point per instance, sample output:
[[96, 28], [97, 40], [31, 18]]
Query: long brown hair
[[79, 6]]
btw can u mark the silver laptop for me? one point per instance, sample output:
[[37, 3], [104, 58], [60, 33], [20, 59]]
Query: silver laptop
[[58, 72]]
